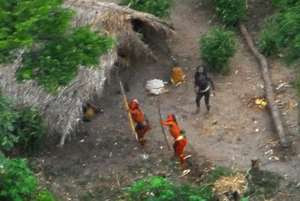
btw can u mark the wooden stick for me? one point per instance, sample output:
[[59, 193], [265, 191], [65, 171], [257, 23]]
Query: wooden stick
[[131, 124], [275, 113], [162, 127]]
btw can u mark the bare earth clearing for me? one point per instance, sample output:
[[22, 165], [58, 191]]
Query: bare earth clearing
[[106, 157]]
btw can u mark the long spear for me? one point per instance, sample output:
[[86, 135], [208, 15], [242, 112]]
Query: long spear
[[162, 127], [131, 124]]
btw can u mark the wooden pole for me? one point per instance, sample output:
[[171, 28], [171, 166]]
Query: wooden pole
[[162, 127], [275, 114], [131, 124]]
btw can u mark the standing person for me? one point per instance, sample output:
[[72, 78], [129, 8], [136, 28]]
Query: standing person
[[142, 125], [180, 139], [203, 85]]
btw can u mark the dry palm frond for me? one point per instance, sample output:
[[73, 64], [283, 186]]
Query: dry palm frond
[[63, 111], [225, 184]]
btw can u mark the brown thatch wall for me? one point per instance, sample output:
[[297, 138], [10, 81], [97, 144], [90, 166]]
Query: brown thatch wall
[[63, 111]]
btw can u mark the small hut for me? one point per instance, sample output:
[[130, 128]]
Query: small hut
[[63, 111]]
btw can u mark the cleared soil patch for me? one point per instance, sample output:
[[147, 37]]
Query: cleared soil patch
[[97, 164]]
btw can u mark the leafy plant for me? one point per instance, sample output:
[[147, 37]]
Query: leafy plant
[[19, 127], [159, 189], [159, 8], [281, 34], [17, 182], [284, 3], [263, 183], [58, 61], [8, 120], [218, 172], [23, 22], [231, 11], [268, 44], [54, 49], [44, 195], [217, 47]]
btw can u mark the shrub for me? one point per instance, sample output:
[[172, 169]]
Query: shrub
[[44, 195], [268, 44], [17, 181], [218, 172], [24, 22], [159, 8], [284, 3], [263, 183], [19, 127], [217, 46], [54, 49], [231, 11], [159, 189], [58, 61], [281, 34]]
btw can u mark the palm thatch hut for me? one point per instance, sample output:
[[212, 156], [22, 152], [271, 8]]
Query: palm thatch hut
[[62, 112]]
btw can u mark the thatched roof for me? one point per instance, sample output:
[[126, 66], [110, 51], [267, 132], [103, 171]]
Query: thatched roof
[[63, 111]]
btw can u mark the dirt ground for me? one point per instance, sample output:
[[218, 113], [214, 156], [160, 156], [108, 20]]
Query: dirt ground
[[105, 157]]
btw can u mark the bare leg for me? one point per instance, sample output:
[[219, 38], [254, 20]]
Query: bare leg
[[198, 99], [206, 99]]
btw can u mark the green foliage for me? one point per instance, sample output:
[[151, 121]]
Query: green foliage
[[19, 127], [218, 172], [54, 49], [8, 120], [44, 195], [217, 47], [245, 199], [231, 11], [284, 3], [263, 183], [159, 8], [159, 189], [23, 22], [17, 182], [268, 36], [281, 34], [57, 62]]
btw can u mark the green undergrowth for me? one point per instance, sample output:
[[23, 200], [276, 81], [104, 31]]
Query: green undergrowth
[[159, 8], [161, 189], [280, 35], [18, 182], [164, 189], [261, 184], [218, 172], [230, 11], [54, 50], [284, 3], [20, 127], [216, 49], [57, 63]]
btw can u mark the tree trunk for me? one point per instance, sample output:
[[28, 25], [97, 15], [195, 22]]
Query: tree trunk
[[275, 114]]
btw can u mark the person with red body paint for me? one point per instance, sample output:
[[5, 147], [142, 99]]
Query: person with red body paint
[[138, 116], [177, 134]]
